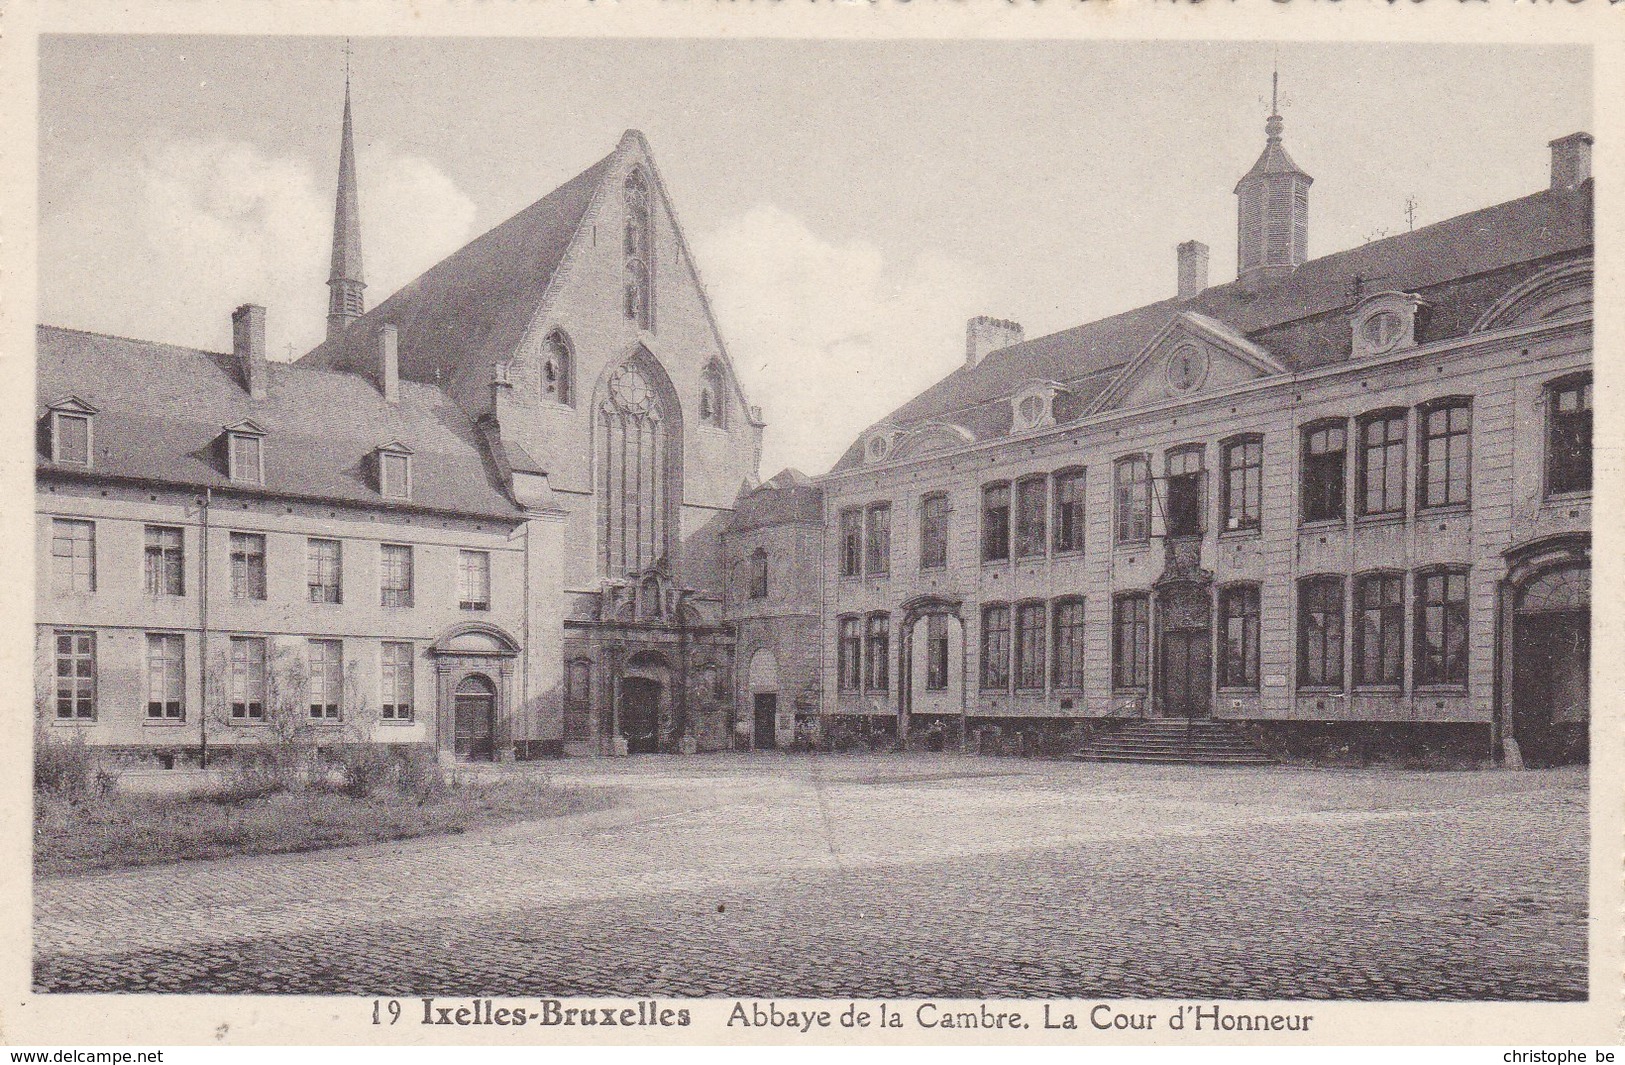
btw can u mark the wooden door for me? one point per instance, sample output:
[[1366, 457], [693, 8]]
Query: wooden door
[[640, 715], [1187, 673], [767, 722]]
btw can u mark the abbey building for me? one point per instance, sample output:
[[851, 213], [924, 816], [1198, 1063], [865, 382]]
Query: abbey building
[[514, 509]]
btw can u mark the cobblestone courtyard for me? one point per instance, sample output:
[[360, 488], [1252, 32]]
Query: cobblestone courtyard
[[941, 876]]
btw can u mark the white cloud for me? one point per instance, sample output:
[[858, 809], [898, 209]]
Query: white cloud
[[830, 337], [163, 245]]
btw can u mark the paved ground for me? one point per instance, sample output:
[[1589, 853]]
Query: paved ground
[[941, 876]]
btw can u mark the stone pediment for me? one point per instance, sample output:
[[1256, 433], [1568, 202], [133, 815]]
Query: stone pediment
[[1192, 355]]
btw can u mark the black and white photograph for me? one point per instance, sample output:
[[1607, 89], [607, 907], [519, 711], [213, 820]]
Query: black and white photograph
[[703, 524]]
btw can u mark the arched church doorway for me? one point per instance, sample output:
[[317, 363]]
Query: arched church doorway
[[1551, 662], [474, 713], [640, 714]]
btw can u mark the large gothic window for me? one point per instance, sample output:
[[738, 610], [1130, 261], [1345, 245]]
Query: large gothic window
[[638, 248], [639, 448]]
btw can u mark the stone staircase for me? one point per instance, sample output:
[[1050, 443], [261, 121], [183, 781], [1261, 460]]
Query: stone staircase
[[1175, 741]]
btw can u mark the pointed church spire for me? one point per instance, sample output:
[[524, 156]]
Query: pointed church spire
[[345, 284], [1272, 223]]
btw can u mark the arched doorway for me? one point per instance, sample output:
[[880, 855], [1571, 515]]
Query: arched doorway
[[474, 713], [1185, 651], [1549, 646], [764, 699], [640, 715]]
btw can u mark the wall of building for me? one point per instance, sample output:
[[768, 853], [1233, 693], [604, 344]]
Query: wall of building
[[121, 613], [1505, 374], [783, 625]]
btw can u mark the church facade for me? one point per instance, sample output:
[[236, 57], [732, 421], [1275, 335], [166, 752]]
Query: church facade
[[486, 514], [1352, 492]]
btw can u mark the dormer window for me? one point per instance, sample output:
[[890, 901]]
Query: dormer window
[[1384, 322], [1033, 407], [71, 432], [395, 471], [877, 446], [245, 453]]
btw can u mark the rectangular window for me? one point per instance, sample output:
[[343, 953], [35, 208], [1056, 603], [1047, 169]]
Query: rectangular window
[[1068, 643], [1030, 646], [166, 676], [1441, 628], [75, 675], [936, 653], [758, 574], [1133, 476], [73, 557], [164, 561], [879, 652], [247, 566], [325, 571], [1325, 451], [394, 475], [1238, 637], [1131, 641], [1187, 492], [851, 542], [1069, 486], [70, 439], [1568, 436], [473, 580], [1382, 464], [877, 539], [1243, 484], [1379, 628], [396, 693], [395, 575], [849, 655], [245, 458], [248, 678], [1445, 477], [326, 680], [1320, 632], [1032, 506], [995, 647], [934, 531], [996, 523]]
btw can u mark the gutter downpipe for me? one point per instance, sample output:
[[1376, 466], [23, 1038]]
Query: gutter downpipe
[[203, 633]]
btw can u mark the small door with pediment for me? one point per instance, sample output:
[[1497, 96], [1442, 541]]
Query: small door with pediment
[[474, 714]]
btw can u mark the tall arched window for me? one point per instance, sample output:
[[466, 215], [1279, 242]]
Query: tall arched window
[[638, 450], [558, 370], [638, 248], [713, 406]]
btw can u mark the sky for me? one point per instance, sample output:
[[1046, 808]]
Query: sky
[[850, 203]]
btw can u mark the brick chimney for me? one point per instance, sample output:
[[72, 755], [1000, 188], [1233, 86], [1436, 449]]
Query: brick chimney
[[1192, 268], [1571, 161], [389, 366], [248, 344], [984, 335]]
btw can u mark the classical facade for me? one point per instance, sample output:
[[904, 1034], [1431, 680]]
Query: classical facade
[[1351, 490], [485, 514]]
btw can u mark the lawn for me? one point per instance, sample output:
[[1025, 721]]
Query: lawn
[[118, 831]]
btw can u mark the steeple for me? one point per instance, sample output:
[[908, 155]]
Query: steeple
[[1272, 225], [345, 284]]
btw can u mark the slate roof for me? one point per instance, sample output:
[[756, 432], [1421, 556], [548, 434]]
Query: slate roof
[[787, 498], [1459, 266], [468, 312], [162, 410]]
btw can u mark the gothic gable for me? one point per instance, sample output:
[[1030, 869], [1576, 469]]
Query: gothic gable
[[1192, 355]]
